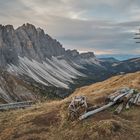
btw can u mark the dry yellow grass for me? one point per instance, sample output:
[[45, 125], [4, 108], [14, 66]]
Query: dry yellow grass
[[48, 121]]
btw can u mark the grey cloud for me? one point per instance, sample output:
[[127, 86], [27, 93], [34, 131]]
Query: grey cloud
[[103, 25]]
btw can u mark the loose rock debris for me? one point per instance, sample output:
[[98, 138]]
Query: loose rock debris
[[124, 98]]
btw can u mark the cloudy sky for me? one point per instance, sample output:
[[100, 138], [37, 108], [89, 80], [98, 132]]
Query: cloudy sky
[[102, 26]]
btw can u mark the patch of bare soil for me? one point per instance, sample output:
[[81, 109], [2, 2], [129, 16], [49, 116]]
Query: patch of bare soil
[[100, 100], [48, 119], [104, 115]]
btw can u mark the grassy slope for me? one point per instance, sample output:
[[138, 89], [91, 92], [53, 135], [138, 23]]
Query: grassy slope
[[48, 121]]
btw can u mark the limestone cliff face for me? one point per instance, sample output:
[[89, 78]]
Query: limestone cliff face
[[33, 57], [26, 41], [9, 45], [36, 44], [31, 42]]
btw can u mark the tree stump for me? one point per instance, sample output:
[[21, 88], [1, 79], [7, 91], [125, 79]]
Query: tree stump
[[77, 107]]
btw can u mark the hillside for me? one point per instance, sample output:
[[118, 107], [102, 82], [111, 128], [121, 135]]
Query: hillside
[[49, 120]]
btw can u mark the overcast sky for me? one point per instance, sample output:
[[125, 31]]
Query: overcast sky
[[102, 26]]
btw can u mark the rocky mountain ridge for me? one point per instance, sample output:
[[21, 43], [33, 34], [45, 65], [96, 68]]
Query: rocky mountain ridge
[[41, 62], [33, 56], [31, 42]]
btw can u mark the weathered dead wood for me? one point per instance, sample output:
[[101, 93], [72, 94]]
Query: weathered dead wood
[[16, 105], [126, 99], [112, 96], [125, 102], [126, 96], [118, 93], [137, 99], [92, 108], [120, 96], [84, 116], [129, 103], [77, 106], [119, 108]]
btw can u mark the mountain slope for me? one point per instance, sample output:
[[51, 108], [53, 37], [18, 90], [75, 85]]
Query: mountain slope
[[130, 65], [35, 58], [41, 121], [13, 89], [109, 59]]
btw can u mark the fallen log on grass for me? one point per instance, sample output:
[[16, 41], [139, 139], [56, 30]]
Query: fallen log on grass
[[136, 98], [117, 93], [16, 105], [119, 108], [122, 95], [113, 101], [84, 116], [138, 101], [125, 97]]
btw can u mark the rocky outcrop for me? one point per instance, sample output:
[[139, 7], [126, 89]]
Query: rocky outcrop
[[31, 42], [26, 41], [9, 45], [36, 44]]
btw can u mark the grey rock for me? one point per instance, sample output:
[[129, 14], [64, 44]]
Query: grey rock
[[26, 41]]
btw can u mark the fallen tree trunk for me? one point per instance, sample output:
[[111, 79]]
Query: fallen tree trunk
[[84, 116], [119, 108], [120, 96], [136, 98], [118, 93], [112, 96], [127, 97], [129, 103], [16, 105], [138, 101], [92, 108]]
